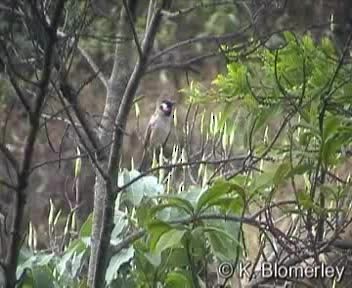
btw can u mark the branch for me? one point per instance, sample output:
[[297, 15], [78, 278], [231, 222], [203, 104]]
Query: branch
[[179, 165], [82, 141], [94, 66], [171, 15], [125, 243], [149, 13], [104, 205], [20, 197], [9, 157], [270, 146], [293, 261], [186, 221], [11, 10], [178, 66], [184, 65], [4, 183], [72, 99], [133, 28], [212, 38], [10, 69], [127, 99], [249, 220]]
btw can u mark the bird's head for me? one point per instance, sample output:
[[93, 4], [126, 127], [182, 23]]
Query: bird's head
[[166, 107]]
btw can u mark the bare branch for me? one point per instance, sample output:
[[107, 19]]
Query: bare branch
[[14, 83], [214, 39], [103, 216], [87, 57], [94, 66], [171, 15], [127, 99], [180, 165], [133, 28], [7, 153], [187, 65], [8, 185], [86, 128], [20, 197], [150, 13], [72, 99]]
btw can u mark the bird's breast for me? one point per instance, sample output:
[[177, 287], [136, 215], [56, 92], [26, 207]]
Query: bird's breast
[[160, 131]]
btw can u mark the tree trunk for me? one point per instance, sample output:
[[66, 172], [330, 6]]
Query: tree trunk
[[117, 83], [121, 97]]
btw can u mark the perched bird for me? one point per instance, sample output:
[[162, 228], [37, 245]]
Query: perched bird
[[157, 132]]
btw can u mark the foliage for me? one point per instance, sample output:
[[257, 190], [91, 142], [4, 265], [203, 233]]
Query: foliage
[[162, 255], [296, 129], [303, 83], [295, 125]]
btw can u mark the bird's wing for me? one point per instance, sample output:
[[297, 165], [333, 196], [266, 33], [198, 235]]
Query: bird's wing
[[148, 132], [147, 136], [167, 137]]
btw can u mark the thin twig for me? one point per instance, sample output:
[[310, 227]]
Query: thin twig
[[179, 165], [133, 28], [171, 15], [94, 66], [207, 39], [9, 157]]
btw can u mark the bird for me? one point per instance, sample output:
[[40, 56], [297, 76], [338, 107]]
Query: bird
[[157, 131]]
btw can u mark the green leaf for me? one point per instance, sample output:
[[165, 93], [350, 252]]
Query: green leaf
[[263, 181], [77, 262], [178, 202], [86, 229], [176, 207], [217, 190], [156, 230], [328, 46], [135, 192], [198, 243], [304, 200], [35, 260], [153, 258], [281, 173], [78, 163], [264, 115], [147, 186], [331, 125], [333, 146], [121, 223], [222, 243], [176, 258], [330, 191], [300, 169], [124, 256], [64, 266], [151, 186], [42, 277], [169, 239], [176, 279], [230, 204]]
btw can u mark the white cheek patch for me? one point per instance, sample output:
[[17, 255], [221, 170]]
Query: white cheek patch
[[164, 107]]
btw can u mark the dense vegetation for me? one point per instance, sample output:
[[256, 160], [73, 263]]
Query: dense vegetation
[[267, 180], [175, 236]]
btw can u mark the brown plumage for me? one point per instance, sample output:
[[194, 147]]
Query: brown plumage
[[157, 132]]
